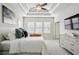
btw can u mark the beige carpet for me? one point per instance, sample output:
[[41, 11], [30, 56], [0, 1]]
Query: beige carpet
[[54, 48]]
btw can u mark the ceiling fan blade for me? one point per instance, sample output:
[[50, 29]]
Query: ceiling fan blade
[[44, 8], [44, 4]]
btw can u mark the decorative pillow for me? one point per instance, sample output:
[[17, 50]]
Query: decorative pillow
[[18, 33], [25, 33], [22, 31], [5, 36], [35, 34]]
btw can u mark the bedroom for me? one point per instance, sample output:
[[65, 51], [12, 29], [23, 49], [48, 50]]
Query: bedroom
[[38, 29]]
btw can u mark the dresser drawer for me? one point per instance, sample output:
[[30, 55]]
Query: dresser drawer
[[70, 47], [71, 44], [76, 49]]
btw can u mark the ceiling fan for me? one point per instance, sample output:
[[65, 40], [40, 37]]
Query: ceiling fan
[[40, 7]]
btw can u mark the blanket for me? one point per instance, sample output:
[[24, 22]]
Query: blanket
[[30, 44]]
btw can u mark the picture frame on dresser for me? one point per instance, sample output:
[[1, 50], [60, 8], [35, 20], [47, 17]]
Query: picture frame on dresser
[[8, 16]]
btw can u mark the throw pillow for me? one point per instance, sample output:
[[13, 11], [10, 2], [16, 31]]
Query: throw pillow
[[5, 36]]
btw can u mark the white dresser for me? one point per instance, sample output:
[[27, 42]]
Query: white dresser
[[70, 42]]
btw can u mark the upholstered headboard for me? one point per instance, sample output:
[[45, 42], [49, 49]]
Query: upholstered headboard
[[3, 30]]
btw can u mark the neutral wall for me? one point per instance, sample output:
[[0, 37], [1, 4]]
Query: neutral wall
[[66, 10], [48, 36]]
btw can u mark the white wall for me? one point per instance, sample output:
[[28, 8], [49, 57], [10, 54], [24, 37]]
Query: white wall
[[66, 10], [20, 22]]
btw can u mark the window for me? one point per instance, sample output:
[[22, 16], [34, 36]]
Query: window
[[30, 27], [47, 27], [38, 27]]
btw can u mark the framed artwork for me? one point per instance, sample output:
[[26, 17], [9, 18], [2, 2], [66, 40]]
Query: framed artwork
[[8, 16], [72, 22], [66, 22]]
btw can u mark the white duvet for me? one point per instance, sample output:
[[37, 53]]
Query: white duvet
[[30, 44]]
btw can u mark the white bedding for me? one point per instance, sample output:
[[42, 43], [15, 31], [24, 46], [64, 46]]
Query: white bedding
[[30, 44], [5, 45]]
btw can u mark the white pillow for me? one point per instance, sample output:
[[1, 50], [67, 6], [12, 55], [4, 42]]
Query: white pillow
[[11, 36], [5, 36]]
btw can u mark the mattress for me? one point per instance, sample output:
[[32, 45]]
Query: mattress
[[5, 45]]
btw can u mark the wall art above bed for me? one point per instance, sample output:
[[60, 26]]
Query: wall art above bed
[[8, 15]]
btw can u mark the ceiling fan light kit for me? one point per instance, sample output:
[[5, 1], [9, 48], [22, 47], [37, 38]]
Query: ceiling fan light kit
[[39, 8]]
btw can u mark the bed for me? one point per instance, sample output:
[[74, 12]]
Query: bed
[[4, 47], [25, 45]]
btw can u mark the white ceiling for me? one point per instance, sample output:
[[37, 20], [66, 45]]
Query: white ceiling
[[23, 8], [27, 6]]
